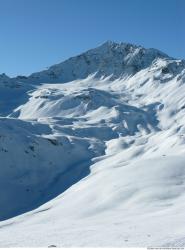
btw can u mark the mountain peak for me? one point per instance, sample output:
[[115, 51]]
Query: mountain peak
[[125, 45], [115, 45], [109, 59], [114, 59]]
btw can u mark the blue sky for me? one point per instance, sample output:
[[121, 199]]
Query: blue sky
[[38, 33]]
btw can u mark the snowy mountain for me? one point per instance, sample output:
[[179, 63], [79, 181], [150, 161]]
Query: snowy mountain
[[92, 151]]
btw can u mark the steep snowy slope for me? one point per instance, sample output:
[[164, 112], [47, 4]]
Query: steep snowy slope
[[38, 164], [114, 115], [12, 94]]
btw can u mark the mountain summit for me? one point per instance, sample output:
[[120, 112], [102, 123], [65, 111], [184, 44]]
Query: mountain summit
[[109, 59]]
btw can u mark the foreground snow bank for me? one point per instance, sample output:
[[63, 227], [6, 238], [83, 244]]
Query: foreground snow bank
[[130, 205]]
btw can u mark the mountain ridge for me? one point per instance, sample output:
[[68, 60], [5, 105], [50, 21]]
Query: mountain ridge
[[133, 53]]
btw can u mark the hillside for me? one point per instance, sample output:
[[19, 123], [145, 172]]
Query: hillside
[[92, 151]]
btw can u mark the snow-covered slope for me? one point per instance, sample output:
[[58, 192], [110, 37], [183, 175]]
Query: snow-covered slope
[[105, 131], [12, 94]]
